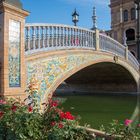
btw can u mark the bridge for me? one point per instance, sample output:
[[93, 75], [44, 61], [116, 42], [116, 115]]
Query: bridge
[[57, 53]]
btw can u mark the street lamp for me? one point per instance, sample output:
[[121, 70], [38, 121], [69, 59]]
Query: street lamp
[[137, 2], [75, 17]]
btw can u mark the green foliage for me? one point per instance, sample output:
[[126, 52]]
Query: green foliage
[[122, 131], [22, 122]]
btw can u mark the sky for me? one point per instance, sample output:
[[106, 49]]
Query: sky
[[60, 11]]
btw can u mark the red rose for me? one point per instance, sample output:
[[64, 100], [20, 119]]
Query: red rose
[[14, 108], [30, 109], [69, 116], [66, 115], [1, 114], [53, 103], [60, 125], [53, 123], [62, 115]]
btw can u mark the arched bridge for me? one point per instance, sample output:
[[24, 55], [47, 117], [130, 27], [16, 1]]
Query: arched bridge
[[58, 53]]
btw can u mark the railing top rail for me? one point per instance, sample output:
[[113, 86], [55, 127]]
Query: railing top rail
[[56, 25], [113, 40]]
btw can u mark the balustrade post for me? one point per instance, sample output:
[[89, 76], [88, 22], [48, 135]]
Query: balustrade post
[[28, 39], [97, 47], [59, 36], [51, 32], [55, 35], [72, 37], [33, 37], [68, 37], [47, 43], [63, 34], [43, 37], [38, 37], [126, 52]]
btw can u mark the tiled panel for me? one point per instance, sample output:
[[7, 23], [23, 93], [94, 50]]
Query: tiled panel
[[14, 53]]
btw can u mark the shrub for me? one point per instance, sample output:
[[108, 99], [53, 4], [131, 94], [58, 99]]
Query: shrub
[[122, 131], [22, 122]]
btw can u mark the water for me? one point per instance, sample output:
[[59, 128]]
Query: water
[[100, 109]]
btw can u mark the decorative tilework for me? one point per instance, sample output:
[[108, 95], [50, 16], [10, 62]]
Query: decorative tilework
[[49, 70], [14, 53]]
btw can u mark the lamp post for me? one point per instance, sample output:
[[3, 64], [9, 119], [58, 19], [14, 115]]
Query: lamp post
[[75, 17]]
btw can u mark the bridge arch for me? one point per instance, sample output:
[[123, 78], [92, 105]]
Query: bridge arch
[[51, 69]]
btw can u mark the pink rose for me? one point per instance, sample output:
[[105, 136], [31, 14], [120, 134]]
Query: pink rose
[[127, 122]]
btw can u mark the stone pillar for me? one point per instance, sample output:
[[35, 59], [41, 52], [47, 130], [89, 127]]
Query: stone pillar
[[97, 47], [12, 48]]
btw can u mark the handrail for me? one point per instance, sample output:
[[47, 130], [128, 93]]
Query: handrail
[[40, 37], [110, 45], [46, 37]]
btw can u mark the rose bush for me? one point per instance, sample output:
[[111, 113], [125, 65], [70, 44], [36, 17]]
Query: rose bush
[[122, 131], [24, 122]]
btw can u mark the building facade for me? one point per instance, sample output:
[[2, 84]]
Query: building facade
[[123, 23]]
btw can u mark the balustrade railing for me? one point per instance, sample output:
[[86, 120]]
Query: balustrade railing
[[48, 37], [110, 45], [41, 37]]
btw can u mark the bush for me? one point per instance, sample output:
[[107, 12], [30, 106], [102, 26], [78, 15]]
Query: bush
[[22, 122], [122, 131]]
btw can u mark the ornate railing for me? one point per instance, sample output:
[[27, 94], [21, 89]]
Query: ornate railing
[[45, 37], [108, 44], [49, 37]]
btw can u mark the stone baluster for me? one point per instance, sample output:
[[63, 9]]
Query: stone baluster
[[38, 37], [68, 36], [33, 37], [28, 39], [59, 36], [63, 32], [51, 36], [72, 37], [92, 36], [76, 37], [43, 37], [46, 38], [55, 36], [84, 38], [80, 37], [89, 39]]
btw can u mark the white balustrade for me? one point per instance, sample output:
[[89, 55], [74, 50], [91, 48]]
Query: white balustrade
[[110, 45], [49, 37]]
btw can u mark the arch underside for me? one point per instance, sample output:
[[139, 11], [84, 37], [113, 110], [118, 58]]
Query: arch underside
[[97, 69]]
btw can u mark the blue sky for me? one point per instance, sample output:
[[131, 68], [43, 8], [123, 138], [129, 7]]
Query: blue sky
[[59, 11]]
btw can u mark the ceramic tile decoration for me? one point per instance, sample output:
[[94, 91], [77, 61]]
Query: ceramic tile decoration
[[49, 70], [14, 53]]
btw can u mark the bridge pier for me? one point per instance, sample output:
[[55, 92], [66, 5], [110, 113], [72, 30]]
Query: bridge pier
[[12, 21]]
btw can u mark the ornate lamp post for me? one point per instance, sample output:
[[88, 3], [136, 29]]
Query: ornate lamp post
[[75, 17]]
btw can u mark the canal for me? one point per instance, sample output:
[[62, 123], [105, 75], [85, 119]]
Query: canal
[[100, 109]]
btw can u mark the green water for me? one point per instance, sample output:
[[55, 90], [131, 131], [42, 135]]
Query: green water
[[98, 110]]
